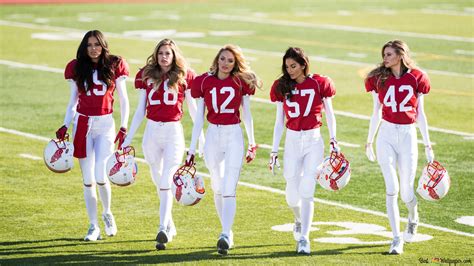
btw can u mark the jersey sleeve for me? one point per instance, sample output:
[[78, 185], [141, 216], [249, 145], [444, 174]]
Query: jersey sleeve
[[423, 83], [274, 95], [370, 84], [122, 70], [139, 82], [69, 70], [328, 89], [196, 86], [190, 76], [246, 90]]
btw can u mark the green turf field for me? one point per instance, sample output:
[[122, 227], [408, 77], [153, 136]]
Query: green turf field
[[43, 214]]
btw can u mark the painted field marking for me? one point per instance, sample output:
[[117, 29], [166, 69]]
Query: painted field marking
[[217, 47], [288, 23], [274, 190], [255, 99], [351, 228], [30, 156], [467, 220], [446, 12]]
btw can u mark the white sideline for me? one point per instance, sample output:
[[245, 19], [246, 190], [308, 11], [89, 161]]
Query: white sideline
[[216, 47], [274, 190], [266, 101]]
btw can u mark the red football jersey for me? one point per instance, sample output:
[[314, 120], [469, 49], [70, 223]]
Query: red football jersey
[[164, 104], [303, 110], [221, 97], [399, 97], [100, 99]]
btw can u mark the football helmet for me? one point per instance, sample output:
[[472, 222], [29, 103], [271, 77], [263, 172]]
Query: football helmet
[[434, 182], [187, 187], [335, 172], [121, 167], [58, 155]]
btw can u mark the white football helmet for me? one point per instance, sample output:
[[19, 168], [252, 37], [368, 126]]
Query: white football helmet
[[335, 172], [187, 187], [58, 155], [121, 167], [434, 182]]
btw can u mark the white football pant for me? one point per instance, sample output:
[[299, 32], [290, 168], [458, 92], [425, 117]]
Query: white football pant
[[99, 146], [397, 149], [304, 151], [223, 154], [163, 147]]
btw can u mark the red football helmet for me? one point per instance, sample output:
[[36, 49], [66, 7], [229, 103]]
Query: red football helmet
[[335, 172], [121, 167], [187, 187], [58, 155], [434, 182]]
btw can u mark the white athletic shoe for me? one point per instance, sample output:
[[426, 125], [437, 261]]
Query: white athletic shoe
[[171, 230], [223, 244], [303, 246], [410, 231], [396, 248], [297, 230], [93, 234], [231, 239], [110, 226]]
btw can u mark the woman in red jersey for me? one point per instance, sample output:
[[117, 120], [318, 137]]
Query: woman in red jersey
[[397, 87], [301, 97], [163, 84], [93, 77], [222, 91]]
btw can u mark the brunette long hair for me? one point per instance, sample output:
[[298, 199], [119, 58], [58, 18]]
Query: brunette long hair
[[285, 83], [84, 67]]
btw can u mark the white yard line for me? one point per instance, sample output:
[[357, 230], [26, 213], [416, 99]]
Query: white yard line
[[341, 113], [299, 24], [274, 190], [30, 156], [446, 12], [216, 47]]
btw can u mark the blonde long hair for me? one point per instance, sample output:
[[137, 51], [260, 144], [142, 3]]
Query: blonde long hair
[[177, 72], [401, 49], [241, 67]]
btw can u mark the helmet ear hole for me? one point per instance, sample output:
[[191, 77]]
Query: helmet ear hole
[[121, 167], [434, 182], [58, 155], [187, 187], [335, 172]]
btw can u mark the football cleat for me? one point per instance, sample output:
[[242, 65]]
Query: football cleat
[[223, 244], [335, 172], [303, 246], [58, 155], [297, 230], [121, 167], [187, 187], [434, 182], [396, 248], [165, 235], [93, 234], [162, 238], [109, 222], [160, 246], [410, 231]]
